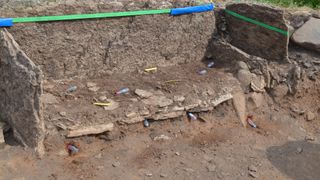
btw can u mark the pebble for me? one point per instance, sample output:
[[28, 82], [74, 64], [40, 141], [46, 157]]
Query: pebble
[[62, 113], [94, 89], [178, 98], [177, 153], [161, 137], [131, 115], [100, 167], [252, 168], [91, 84], [102, 98], [307, 64], [116, 164], [211, 168], [299, 150], [309, 138], [310, 116], [149, 174], [98, 156], [188, 169], [202, 72], [163, 175], [144, 112], [253, 174]]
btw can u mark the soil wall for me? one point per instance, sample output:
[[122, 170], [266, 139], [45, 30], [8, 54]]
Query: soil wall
[[95, 47]]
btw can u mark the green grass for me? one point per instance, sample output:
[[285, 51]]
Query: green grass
[[295, 3]]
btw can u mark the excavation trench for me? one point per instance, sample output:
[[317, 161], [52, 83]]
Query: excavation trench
[[40, 61]]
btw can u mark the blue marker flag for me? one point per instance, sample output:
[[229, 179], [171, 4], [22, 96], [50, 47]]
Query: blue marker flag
[[192, 9]]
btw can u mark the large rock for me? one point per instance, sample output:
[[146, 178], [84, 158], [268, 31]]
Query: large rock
[[255, 39], [308, 35], [20, 92]]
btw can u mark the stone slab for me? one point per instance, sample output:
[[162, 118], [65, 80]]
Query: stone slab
[[20, 92], [308, 35], [254, 39]]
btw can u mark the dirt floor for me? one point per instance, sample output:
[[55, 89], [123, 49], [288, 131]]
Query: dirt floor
[[284, 146]]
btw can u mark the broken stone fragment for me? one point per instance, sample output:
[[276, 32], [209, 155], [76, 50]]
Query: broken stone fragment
[[245, 77], [239, 103], [133, 120], [161, 137], [113, 105], [178, 98], [94, 89], [211, 167], [170, 115], [144, 112], [192, 101], [299, 18], [258, 84], [96, 129], [142, 93], [253, 168], [160, 101], [201, 109], [91, 84], [310, 116], [191, 106], [49, 99], [280, 91], [102, 98], [63, 113], [220, 99], [255, 100], [177, 108], [131, 114]]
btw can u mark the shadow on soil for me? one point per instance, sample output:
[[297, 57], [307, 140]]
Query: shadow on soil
[[299, 159]]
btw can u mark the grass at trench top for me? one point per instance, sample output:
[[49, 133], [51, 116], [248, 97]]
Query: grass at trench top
[[295, 3]]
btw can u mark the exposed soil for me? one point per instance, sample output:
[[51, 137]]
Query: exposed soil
[[217, 148]]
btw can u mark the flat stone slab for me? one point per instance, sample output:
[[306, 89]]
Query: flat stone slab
[[96, 129], [308, 35], [254, 39], [21, 89]]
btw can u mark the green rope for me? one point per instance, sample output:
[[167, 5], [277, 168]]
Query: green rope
[[89, 16], [257, 22]]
